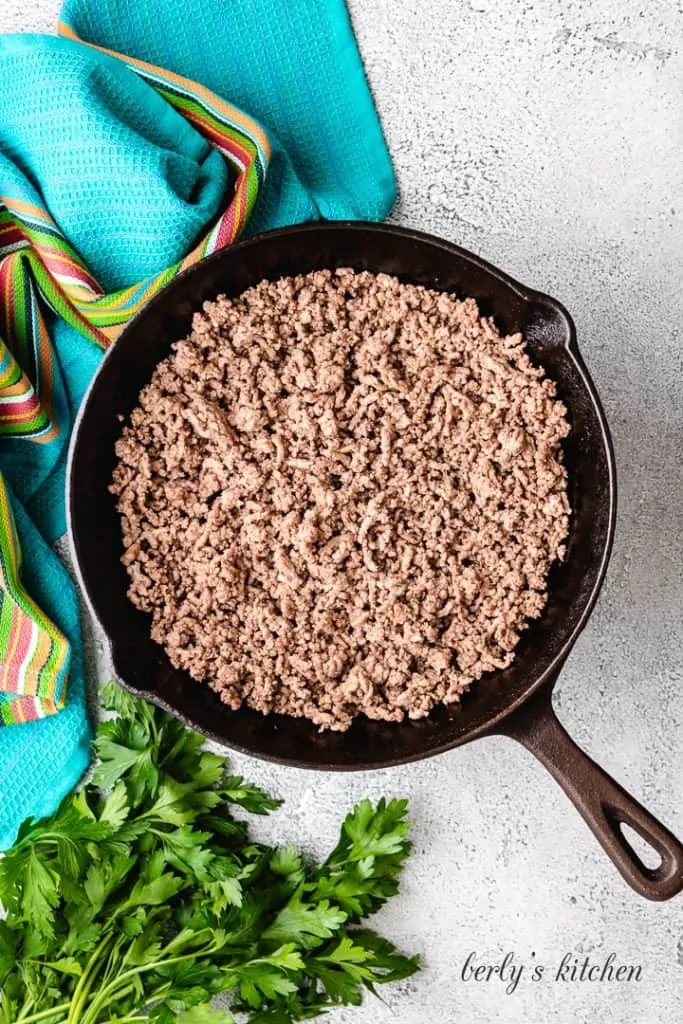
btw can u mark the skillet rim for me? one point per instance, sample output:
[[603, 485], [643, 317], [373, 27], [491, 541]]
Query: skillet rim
[[529, 296]]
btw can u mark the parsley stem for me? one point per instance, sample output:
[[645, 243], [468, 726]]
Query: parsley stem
[[109, 990], [44, 1014], [85, 982]]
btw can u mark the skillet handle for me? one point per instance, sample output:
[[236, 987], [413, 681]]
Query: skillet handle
[[601, 801]]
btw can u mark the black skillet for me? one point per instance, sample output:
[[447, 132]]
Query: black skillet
[[515, 702]]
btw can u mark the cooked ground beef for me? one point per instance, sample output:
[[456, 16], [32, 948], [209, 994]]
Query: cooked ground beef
[[341, 495]]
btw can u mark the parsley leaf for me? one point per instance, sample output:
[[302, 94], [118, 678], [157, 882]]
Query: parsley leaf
[[248, 796], [40, 894], [302, 922]]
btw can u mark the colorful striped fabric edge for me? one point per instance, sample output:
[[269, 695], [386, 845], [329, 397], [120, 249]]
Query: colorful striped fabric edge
[[36, 655]]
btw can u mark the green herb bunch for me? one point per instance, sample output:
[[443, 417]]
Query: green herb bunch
[[142, 897]]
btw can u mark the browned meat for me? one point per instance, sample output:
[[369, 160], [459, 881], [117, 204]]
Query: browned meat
[[341, 495]]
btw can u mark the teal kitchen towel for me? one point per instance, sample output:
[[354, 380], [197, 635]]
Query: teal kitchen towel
[[291, 64], [295, 67]]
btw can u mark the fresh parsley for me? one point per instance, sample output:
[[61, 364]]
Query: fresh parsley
[[142, 897]]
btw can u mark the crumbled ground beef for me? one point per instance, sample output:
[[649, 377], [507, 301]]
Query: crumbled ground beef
[[341, 495]]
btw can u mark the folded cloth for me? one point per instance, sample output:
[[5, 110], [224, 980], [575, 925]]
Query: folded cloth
[[115, 175]]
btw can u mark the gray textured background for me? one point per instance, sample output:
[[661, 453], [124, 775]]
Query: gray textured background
[[546, 136]]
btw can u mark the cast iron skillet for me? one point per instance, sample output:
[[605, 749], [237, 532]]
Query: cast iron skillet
[[515, 702]]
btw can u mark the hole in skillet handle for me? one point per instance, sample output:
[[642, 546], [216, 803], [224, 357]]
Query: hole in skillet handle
[[650, 858]]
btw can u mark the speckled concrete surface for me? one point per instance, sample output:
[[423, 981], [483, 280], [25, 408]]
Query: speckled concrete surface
[[546, 136]]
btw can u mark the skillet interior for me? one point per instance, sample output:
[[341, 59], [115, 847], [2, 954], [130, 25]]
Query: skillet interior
[[143, 666]]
